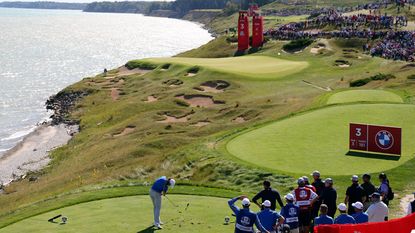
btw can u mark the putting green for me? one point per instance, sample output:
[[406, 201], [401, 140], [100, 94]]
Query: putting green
[[319, 140], [260, 67], [133, 214], [364, 96]]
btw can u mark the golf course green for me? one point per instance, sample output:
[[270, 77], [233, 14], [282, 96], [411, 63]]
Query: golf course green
[[259, 67], [133, 214], [319, 140], [364, 96]]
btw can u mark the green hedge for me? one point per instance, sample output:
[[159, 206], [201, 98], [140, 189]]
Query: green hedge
[[378, 77], [141, 65]]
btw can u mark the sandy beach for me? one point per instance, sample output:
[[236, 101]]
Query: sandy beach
[[32, 154]]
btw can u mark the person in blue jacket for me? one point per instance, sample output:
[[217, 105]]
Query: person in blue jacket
[[323, 219], [344, 218], [359, 216], [159, 188], [245, 218], [269, 219], [290, 212]]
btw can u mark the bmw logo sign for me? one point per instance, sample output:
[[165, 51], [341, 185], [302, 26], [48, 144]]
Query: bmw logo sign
[[384, 140]]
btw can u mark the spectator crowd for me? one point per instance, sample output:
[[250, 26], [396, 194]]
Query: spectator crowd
[[315, 204]]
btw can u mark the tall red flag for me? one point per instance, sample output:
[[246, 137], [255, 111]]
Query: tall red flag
[[257, 31]]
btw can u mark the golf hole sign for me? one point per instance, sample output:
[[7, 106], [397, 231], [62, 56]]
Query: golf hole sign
[[374, 138]]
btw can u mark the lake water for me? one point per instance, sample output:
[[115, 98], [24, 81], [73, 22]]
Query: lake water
[[43, 51]]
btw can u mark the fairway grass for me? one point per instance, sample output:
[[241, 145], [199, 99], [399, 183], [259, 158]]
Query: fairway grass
[[319, 140], [133, 214], [364, 96], [258, 67]]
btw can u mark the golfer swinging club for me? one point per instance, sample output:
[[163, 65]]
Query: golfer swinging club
[[159, 188]]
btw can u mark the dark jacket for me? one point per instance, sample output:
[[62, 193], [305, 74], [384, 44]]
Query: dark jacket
[[271, 195]]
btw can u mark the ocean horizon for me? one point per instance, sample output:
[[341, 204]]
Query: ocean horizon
[[60, 47]]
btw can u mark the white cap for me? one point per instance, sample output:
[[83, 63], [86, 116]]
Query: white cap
[[246, 202], [267, 204], [172, 183], [358, 205], [315, 173], [289, 197], [355, 178], [342, 207]]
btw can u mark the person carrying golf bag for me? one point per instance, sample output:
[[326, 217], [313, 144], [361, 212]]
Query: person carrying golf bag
[[245, 218], [159, 188]]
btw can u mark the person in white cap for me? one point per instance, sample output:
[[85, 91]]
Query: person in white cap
[[305, 199], [359, 216], [290, 212], [159, 188], [411, 207], [269, 219], [245, 218], [354, 193], [378, 211], [344, 218]]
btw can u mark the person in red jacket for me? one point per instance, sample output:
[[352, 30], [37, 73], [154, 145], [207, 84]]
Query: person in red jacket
[[304, 199]]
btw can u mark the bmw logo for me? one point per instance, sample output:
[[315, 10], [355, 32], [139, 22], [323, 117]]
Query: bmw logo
[[384, 140]]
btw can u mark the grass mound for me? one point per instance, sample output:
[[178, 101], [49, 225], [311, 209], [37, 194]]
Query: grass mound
[[321, 136], [297, 45], [258, 67], [133, 214], [364, 96]]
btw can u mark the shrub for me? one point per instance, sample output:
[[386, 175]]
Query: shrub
[[360, 82], [140, 64], [166, 66], [193, 70], [411, 77], [299, 44], [381, 76]]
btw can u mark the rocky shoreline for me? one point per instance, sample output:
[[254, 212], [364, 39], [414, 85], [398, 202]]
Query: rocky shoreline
[[61, 104]]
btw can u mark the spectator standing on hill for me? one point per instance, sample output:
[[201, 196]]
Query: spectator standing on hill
[[269, 219], [359, 216], [354, 193], [344, 218], [304, 198], [369, 189], [319, 186], [245, 218], [378, 211], [323, 219], [268, 194], [291, 213], [384, 188], [159, 188], [411, 207], [329, 197]]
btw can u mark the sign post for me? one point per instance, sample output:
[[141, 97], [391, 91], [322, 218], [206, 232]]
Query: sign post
[[243, 31], [376, 139]]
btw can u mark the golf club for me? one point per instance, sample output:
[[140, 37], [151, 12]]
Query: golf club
[[56, 217], [171, 202]]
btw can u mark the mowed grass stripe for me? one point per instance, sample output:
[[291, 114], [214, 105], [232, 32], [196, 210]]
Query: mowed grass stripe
[[133, 214], [319, 140], [364, 96], [259, 67]]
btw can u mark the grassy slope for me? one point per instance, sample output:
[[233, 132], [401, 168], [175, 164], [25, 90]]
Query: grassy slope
[[364, 96], [97, 156]]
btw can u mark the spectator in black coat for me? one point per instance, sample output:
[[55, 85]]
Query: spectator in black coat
[[329, 197], [355, 193], [269, 194]]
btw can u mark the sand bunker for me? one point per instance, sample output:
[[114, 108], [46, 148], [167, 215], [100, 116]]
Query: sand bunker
[[124, 71], [216, 86], [192, 71], [151, 99], [129, 129], [173, 82], [239, 120], [173, 119], [191, 74], [342, 63], [115, 94], [201, 123], [199, 100]]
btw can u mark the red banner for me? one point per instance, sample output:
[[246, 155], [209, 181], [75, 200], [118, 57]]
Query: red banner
[[243, 31], [377, 139], [402, 225], [257, 31]]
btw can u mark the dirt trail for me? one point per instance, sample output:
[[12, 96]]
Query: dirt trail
[[115, 94], [317, 86]]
